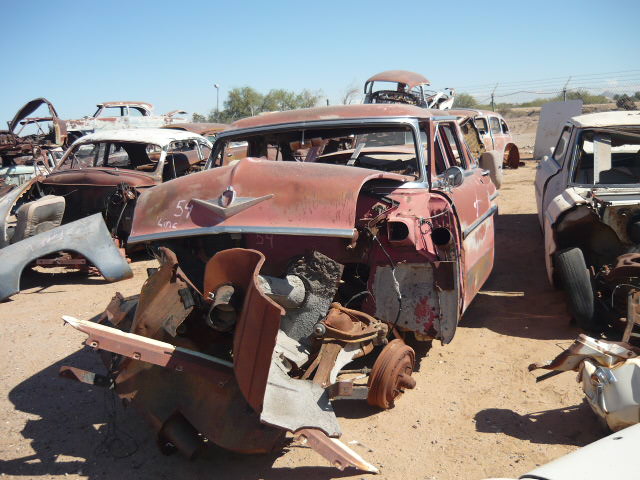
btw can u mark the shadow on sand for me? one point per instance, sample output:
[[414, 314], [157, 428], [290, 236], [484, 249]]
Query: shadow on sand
[[575, 425], [517, 299], [72, 432]]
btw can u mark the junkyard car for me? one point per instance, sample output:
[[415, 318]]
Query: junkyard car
[[207, 130], [119, 115], [495, 134], [406, 87], [346, 230], [588, 198], [32, 145], [102, 173]]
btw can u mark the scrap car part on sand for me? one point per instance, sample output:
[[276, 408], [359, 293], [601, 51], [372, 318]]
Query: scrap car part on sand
[[87, 237], [610, 376], [277, 272], [174, 360], [102, 173]]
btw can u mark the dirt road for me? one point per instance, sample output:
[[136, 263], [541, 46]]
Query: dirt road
[[475, 413]]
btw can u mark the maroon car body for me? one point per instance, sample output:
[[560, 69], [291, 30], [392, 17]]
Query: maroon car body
[[345, 227]]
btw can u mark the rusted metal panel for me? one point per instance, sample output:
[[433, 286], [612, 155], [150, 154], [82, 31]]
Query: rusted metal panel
[[337, 112], [296, 205], [258, 323], [204, 129], [411, 79], [338, 454]]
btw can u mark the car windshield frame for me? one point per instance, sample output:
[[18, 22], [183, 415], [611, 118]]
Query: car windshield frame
[[408, 123], [71, 153]]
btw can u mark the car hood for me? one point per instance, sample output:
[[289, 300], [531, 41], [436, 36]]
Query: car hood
[[256, 196], [29, 108], [99, 177]]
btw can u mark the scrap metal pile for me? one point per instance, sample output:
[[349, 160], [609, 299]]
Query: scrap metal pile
[[246, 359]]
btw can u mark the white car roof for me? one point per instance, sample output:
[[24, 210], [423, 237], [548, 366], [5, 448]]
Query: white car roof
[[607, 119], [156, 136]]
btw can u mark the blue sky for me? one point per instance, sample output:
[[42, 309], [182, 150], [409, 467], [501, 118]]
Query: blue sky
[[170, 54]]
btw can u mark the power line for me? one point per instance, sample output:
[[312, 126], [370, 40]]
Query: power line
[[550, 79]]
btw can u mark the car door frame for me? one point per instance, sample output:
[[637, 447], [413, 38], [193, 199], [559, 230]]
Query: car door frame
[[473, 202]]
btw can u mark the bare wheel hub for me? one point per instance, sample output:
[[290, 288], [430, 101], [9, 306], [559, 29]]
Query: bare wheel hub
[[391, 374]]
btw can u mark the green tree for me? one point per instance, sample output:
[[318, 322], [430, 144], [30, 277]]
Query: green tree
[[196, 117], [464, 100], [246, 102]]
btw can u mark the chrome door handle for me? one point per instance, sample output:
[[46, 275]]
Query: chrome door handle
[[485, 173]]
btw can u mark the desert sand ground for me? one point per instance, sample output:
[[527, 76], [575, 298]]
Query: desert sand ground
[[476, 412]]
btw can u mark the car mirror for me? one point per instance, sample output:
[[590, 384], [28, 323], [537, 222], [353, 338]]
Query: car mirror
[[453, 176]]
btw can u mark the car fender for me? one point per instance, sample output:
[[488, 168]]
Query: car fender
[[88, 236]]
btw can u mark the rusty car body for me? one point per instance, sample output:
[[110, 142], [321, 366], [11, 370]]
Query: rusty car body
[[495, 134], [30, 146], [101, 173], [588, 199], [407, 87], [206, 129], [121, 115], [346, 230]]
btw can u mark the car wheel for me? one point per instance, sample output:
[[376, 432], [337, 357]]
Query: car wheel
[[492, 161], [575, 279]]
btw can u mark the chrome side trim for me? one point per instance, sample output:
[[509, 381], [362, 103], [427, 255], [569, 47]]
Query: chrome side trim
[[492, 211], [195, 232], [495, 195]]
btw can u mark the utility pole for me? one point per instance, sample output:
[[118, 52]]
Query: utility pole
[[564, 90], [217, 97], [493, 103]]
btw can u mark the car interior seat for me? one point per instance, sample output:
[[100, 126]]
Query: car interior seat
[[38, 216]]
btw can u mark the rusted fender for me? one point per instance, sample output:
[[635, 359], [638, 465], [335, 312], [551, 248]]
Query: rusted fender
[[89, 237], [296, 198]]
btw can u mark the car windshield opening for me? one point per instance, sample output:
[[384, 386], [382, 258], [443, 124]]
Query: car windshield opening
[[608, 157], [385, 148], [124, 155]]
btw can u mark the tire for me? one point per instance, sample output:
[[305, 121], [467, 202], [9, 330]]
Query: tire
[[492, 161], [575, 279]]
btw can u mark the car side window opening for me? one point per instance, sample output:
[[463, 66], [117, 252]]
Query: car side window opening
[[451, 146], [505, 128], [481, 124], [136, 112], [114, 112], [441, 165], [561, 146], [607, 158], [495, 125]]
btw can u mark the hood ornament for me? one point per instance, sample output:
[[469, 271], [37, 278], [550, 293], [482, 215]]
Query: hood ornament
[[227, 197], [229, 204]]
